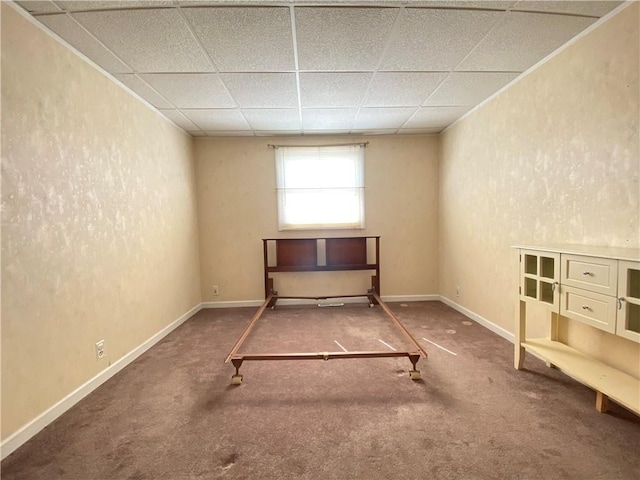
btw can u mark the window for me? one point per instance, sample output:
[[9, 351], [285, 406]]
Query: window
[[320, 187]]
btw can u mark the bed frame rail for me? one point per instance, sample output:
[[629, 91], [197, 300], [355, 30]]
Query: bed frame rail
[[322, 254]]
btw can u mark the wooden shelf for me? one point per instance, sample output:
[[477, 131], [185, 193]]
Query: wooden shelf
[[618, 386]]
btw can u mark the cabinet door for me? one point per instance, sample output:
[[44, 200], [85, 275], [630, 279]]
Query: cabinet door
[[539, 275], [628, 318]]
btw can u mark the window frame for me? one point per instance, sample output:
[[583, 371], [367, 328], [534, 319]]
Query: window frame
[[349, 186]]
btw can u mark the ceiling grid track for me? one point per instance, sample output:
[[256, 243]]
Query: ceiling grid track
[[215, 69], [132, 70], [233, 67], [292, 15], [383, 54], [454, 68]]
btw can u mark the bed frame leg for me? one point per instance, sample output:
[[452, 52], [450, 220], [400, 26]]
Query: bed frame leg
[[237, 378], [274, 300], [414, 374], [371, 297], [375, 283]]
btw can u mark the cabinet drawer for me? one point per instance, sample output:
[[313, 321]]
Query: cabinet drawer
[[593, 274], [588, 307]]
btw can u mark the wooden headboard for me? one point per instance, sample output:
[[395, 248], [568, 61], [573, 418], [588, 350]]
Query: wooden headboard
[[321, 254]]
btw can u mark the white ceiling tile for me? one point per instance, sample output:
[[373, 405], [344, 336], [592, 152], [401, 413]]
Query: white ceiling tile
[[191, 90], [475, 4], [420, 131], [262, 90], [141, 88], [273, 119], [431, 117], [76, 36], [249, 62], [436, 39], [402, 89], [576, 7], [230, 133], [277, 133], [39, 6], [245, 39], [325, 132], [522, 40], [179, 119], [382, 118], [328, 118], [335, 89], [217, 3], [342, 38], [217, 119], [111, 4], [487, 4], [149, 40], [469, 88], [386, 131]]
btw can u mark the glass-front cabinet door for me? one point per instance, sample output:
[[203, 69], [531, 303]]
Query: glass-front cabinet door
[[628, 318], [539, 276]]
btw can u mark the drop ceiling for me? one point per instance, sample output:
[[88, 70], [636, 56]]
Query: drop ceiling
[[220, 68]]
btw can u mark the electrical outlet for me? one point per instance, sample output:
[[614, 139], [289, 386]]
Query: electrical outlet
[[215, 290], [100, 353], [457, 290]]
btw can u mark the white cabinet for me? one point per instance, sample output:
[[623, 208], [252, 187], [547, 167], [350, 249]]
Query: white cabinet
[[597, 286]]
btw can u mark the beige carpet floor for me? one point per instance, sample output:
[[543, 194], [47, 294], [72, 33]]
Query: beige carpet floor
[[172, 414]]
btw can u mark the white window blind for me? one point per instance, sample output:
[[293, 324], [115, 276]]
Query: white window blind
[[320, 187]]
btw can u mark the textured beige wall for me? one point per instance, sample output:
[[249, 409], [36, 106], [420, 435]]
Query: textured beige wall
[[237, 208], [99, 232], [555, 158]]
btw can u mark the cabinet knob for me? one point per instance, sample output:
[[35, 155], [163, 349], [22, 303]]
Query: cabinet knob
[[586, 307], [586, 272], [620, 300]]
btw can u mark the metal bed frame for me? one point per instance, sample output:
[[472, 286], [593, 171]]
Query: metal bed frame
[[318, 255]]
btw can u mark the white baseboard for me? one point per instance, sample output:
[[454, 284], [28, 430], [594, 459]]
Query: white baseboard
[[307, 301], [481, 320], [233, 304], [20, 437], [410, 298]]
